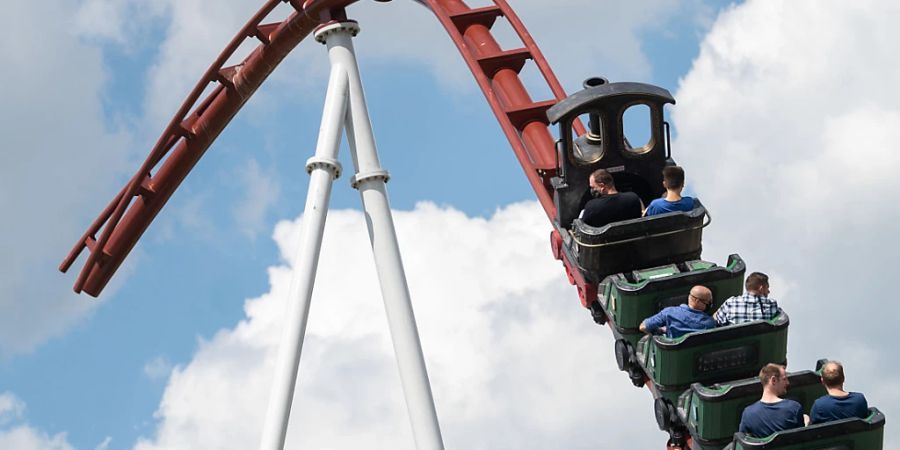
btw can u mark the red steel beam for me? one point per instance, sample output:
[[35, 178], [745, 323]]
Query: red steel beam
[[196, 125]]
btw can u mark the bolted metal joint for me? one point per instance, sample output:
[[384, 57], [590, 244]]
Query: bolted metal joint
[[361, 178], [331, 165], [346, 26]]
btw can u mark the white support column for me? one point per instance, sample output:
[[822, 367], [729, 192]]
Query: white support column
[[370, 180], [323, 169]]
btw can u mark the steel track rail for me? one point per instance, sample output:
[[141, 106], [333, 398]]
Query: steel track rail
[[197, 123]]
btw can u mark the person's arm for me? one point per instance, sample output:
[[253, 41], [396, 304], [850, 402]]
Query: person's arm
[[863, 407], [805, 420], [814, 413], [721, 315], [653, 323], [743, 426]]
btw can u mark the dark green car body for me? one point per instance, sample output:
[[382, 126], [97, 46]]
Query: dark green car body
[[712, 413], [711, 356], [630, 298], [845, 434]]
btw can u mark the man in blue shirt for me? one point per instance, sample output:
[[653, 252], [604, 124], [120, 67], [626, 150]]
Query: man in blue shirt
[[771, 413], [679, 320], [673, 181], [838, 404]]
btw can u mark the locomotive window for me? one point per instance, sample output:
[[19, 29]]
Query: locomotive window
[[588, 148], [637, 128]]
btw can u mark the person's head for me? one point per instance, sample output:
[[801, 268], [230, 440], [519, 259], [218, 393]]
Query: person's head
[[602, 182], [774, 379], [833, 375], [757, 283], [700, 298], [673, 178]]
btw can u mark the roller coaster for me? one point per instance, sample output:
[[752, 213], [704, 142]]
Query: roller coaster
[[624, 272]]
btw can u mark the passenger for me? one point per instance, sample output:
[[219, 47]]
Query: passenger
[[754, 305], [673, 181], [838, 404], [610, 205], [676, 321], [771, 413]]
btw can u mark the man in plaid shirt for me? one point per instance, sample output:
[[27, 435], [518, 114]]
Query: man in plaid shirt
[[753, 305]]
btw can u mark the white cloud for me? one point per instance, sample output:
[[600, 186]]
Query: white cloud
[[788, 126], [104, 445], [60, 160], [158, 368], [20, 436], [260, 192], [116, 20], [514, 361], [11, 408]]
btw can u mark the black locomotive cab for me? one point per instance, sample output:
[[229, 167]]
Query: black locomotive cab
[[633, 244]]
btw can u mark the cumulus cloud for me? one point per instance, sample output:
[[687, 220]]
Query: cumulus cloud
[[260, 192], [514, 361], [115, 20], [789, 130], [21, 436], [11, 408], [59, 157], [158, 368]]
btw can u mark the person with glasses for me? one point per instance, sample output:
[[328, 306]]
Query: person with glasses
[[755, 304], [676, 321]]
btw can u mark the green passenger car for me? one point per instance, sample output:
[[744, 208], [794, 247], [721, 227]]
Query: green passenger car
[[710, 356], [629, 298], [712, 414], [846, 434]]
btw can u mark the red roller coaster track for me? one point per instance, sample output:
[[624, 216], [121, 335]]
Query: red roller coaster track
[[198, 122]]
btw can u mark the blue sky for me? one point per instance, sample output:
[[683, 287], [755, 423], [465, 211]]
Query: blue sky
[[784, 135]]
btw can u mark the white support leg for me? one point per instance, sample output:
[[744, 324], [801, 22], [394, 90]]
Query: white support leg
[[370, 180], [323, 169]]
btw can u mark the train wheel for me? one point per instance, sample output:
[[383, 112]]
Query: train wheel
[[623, 354], [637, 376], [598, 314]]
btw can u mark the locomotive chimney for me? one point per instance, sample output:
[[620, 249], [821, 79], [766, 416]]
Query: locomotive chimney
[[594, 126]]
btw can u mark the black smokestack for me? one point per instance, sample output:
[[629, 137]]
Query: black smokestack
[[594, 133]]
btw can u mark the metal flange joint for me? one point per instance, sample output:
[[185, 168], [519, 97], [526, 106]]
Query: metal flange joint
[[343, 26], [331, 165], [361, 178]]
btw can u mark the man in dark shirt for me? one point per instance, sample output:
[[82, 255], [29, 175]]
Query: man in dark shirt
[[677, 321], [838, 404], [611, 205], [771, 413]]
